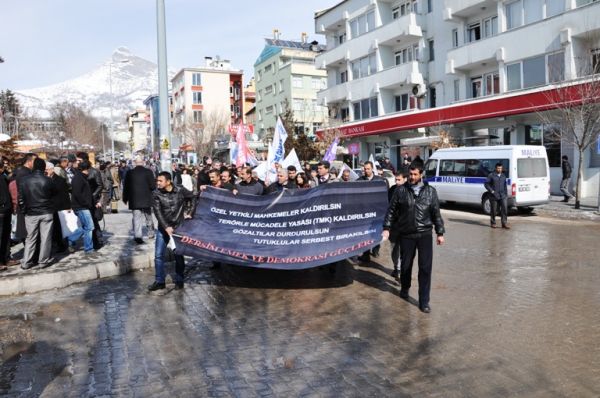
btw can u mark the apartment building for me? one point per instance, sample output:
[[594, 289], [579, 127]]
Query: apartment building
[[484, 71], [285, 72], [206, 99], [137, 124]]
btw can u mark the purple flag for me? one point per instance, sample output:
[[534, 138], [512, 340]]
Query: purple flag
[[331, 151]]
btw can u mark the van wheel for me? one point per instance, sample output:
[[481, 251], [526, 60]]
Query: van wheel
[[524, 209], [486, 206]]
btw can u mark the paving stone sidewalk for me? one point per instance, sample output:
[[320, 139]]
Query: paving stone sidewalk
[[567, 211]]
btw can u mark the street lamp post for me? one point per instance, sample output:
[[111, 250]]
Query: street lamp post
[[112, 128]]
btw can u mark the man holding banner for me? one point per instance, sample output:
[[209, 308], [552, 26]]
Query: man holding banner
[[412, 214], [169, 202]]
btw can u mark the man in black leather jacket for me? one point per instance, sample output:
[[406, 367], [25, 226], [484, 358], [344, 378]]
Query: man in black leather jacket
[[169, 205], [413, 213], [95, 180], [35, 198]]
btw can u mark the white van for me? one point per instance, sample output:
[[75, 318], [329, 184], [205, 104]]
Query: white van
[[459, 174]]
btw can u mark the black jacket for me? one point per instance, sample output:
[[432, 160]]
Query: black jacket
[[61, 199], [496, 185], [35, 194], [81, 194], [411, 215], [137, 188], [95, 180], [169, 207], [5, 198], [566, 169]]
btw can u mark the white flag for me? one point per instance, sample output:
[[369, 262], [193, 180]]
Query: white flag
[[292, 160], [353, 175], [375, 162]]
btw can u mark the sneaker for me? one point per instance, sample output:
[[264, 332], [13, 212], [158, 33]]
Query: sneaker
[[157, 286]]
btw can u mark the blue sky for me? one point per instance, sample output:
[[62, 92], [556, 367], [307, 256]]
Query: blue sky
[[49, 41]]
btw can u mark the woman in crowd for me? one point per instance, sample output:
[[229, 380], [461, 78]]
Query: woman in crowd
[[301, 181]]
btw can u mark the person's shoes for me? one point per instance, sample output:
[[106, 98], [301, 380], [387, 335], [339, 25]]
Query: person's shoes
[[150, 236], [139, 241], [395, 274], [12, 263], [179, 286], [157, 286], [506, 226], [404, 294], [27, 266], [71, 249], [89, 253], [425, 308], [494, 226], [375, 253], [565, 200]]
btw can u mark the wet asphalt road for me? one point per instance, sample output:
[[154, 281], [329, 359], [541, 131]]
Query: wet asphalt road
[[514, 313]]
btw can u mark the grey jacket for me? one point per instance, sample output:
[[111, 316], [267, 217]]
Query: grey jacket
[[496, 185]]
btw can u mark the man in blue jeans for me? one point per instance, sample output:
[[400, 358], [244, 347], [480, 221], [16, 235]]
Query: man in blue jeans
[[170, 203], [81, 202]]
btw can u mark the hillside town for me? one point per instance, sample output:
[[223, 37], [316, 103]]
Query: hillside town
[[213, 230]]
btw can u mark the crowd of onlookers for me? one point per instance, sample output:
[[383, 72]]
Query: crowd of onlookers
[[52, 205]]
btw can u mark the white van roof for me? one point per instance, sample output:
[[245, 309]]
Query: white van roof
[[488, 149]]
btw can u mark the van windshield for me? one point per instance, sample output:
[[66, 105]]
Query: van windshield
[[531, 168]]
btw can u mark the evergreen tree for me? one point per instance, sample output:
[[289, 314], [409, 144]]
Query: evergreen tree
[[305, 147], [10, 110]]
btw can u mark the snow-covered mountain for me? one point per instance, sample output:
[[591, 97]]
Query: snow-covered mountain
[[133, 80]]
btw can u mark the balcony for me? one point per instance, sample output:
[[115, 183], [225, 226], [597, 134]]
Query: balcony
[[461, 9], [403, 29], [539, 37], [394, 77], [336, 93]]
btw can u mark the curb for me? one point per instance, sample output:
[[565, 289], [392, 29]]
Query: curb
[[59, 278]]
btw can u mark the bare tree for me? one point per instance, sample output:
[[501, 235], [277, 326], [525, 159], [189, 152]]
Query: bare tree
[[444, 137], [201, 134], [78, 124], [576, 118]]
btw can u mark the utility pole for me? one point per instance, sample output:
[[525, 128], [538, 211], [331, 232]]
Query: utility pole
[[163, 88]]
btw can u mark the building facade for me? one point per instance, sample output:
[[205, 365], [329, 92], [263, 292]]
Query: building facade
[[285, 73], [137, 124], [484, 72], [207, 101]]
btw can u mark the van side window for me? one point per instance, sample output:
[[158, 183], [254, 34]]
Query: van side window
[[453, 168], [430, 168], [486, 166], [472, 168]]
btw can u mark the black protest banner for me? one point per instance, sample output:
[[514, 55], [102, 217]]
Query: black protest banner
[[294, 229]]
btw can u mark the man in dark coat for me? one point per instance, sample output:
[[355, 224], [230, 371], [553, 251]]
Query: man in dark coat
[[496, 186], [369, 175], [137, 193], [95, 180], [413, 213], [6, 211], [81, 202], [566, 178], [35, 199]]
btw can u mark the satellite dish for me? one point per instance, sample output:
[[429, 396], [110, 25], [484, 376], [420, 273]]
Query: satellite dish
[[254, 137]]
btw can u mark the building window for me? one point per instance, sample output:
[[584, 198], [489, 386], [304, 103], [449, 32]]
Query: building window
[[281, 86], [533, 134], [456, 90], [474, 32], [554, 7], [197, 97], [395, 12], [196, 79], [364, 67], [362, 24], [259, 95], [343, 76], [533, 10], [595, 60], [534, 71], [317, 84], [556, 67], [406, 55], [492, 83], [429, 6], [269, 109], [268, 90], [490, 26], [365, 108], [513, 76], [268, 67], [341, 38], [296, 82], [345, 114], [514, 14], [552, 139], [197, 116], [454, 38], [259, 78], [431, 51], [401, 102], [432, 97], [260, 117]]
